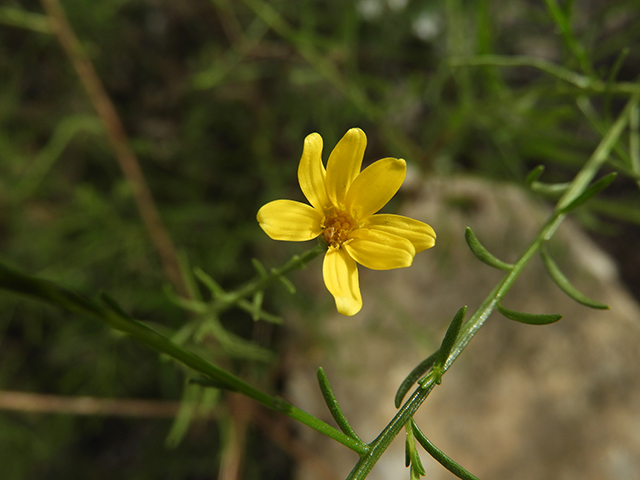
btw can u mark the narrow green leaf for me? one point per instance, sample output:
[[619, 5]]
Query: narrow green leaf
[[209, 282], [590, 191], [482, 253], [534, 175], [287, 283], [334, 408], [257, 313], [550, 189], [529, 318], [257, 305], [48, 291], [189, 404], [413, 377], [187, 276], [191, 305], [563, 282], [440, 456], [19, 17], [262, 271], [613, 73], [412, 457], [416, 464], [408, 445], [449, 339]]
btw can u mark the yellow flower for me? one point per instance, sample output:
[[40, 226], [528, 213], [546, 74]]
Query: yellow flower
[[343, 203]]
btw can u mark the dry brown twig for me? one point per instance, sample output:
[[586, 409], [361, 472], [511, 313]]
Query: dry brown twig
[[42, 403], [118, 139]]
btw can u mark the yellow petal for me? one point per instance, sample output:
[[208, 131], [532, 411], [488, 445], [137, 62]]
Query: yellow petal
[[375, 186], [418, 233], [340, 274], [344, 164], [311, 173], [290, 221], [379, 250]]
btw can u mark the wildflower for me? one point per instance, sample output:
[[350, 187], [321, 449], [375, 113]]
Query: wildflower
[[343, 203]]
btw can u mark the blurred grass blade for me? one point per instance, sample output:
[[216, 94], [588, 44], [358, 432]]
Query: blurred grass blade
[[257, 313], [440, 456], [611, 80], [589, 192], [529, 318], [534, 175], [600, 155], [413, 377], [260, 268], [193, 403], [563, 282], [187, 274], [334, 407], [482, 253], [562, 22], [66, 130], [113, 305], [215, 289], [550, 189], [287, 284], [256, 305], [18, 17], [449, 339], [191, 305], [551, 68]]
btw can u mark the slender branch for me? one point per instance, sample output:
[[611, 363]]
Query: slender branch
[[259, 283], [50, 292], [470, 328], [119, 141], [580, 81]]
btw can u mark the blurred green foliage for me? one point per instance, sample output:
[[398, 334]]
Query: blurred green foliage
[[217, 98]]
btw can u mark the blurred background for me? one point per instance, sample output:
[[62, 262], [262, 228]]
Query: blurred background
[[216, 98]]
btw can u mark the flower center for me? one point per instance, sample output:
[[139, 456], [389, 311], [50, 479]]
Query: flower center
[[337, 226]]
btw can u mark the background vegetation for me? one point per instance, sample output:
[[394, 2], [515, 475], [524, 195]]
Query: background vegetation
[[216, 98]]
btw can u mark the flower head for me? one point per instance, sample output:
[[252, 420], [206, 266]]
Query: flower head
[[344, 202]]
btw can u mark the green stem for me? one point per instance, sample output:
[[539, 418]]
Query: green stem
[[67, 299], [471, 327], [562, 22], [380, 444], [260, 282]]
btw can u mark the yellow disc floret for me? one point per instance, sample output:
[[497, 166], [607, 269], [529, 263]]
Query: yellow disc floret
[[337, 225]]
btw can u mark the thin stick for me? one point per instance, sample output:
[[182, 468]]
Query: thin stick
[[92, 406], [118, 138]]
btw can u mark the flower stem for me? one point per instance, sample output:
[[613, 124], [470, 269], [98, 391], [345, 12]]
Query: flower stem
[[115, 318]]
